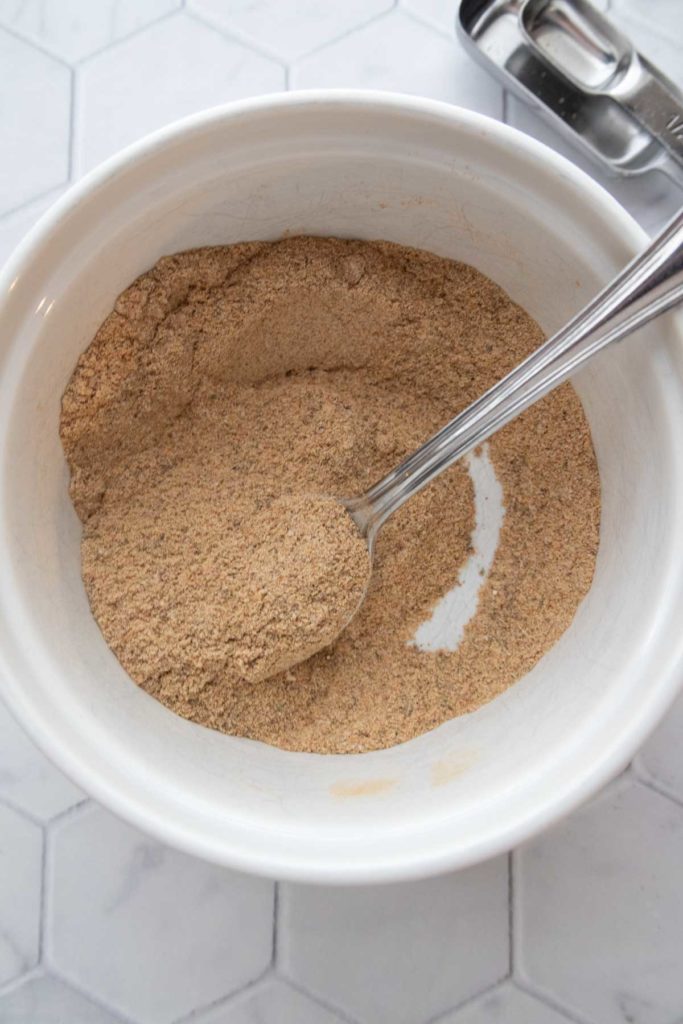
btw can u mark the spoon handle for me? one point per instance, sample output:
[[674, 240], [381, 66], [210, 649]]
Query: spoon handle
[[650, 285]]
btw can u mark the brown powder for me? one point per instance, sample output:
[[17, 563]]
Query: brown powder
[[229, 380], [248, 587]]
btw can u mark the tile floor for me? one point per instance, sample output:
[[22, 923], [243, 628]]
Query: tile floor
[[99, 924]]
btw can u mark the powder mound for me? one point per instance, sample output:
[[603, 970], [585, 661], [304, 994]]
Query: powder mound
[[229, 380], [192, 590], [302, 570]]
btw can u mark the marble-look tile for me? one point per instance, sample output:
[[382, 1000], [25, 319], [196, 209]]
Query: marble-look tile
[[34, 122], [152, 932], [271, 1002], [439, 13], [165, 72], [661, 17], [27, 779], [48, 1000], [72, 29], [399, 53], [160, 936], [13, 227], [657, 32], [599, 909], [442, 13], [505, 1004], [21, 849], [289, 28], [401, 953], [661, 758], [651, 198]]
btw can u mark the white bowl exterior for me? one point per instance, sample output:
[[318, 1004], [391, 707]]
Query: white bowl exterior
[[419, 173]]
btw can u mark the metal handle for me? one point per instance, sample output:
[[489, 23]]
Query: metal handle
[[654, 102], [651, 284]]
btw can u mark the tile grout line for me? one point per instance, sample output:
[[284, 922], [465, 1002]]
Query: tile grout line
[[232, 998], [234, 36], [46, 900], [119, 1016], [511, 915], [441, 1016], [514, 916], [42, 915], [345, 35], [14, 210], [46, 962], [224, 1001], [279, 971], [655, 786], [114, 43], [227, 999], [8, 987], [111, 44], [335, 1010], [276, 926], [71, 161], [423, 19], [73, 809], [550, 1001], [436, 29], [17, 809], [509, 974], [514, 922], [38, 47]]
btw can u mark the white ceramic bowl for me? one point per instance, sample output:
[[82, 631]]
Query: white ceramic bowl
[[371, 166]]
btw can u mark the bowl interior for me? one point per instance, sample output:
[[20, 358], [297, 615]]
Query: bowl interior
[[410, 173]]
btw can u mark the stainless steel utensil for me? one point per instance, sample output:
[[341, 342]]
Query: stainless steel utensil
[[651, 284], [569, 61]]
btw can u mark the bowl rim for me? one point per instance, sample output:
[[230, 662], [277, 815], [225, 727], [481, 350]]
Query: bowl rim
[[435, 857]]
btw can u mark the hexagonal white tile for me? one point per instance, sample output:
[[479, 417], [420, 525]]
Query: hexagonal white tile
[[505, 1004], [442, 13], [72, 29], [657, 32], [400, 953], [152, 932], [660, 16], [21, 850], [660, 758], [27, 779], [154, 78], [397, 52], [289, 28], [599, 908], [48, 1000], [439, 13], [13, 226], [271, 1002], [34, 126]]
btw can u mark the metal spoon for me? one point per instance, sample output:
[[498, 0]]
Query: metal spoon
[[650, 285], [568, 61]]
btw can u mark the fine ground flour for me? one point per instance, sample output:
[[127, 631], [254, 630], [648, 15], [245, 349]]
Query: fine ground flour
[[230, 380]]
